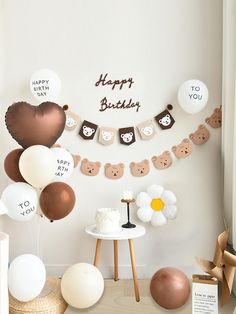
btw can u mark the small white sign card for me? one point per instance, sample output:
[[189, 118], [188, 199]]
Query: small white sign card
[[204, 295]]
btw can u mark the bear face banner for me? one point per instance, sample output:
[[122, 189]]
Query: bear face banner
[[127, 136], [165, 120], [88, 130], [161, 161], [106, 135], [72, 121], [146, 130]]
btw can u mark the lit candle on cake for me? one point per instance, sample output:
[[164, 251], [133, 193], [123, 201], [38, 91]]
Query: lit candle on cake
[[127, 195]]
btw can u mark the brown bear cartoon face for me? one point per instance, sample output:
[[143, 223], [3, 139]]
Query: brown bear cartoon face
[[183, 150], [162, 161], [200, 136], [139, 169], [215, 120], [90, 168], [114, 171]]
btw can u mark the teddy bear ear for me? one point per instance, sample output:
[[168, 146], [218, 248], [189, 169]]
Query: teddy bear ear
[[174, 148], [132, 164], [154, 158], [185, 140], [207, 120], [191, 136], [98, 163], [201, 126], [107, 165], [84, 160], [166, 152], [146, 161]]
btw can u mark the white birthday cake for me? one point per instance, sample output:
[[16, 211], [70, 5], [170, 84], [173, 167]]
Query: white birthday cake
[[108, 220]]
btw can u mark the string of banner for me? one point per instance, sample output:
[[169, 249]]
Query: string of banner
[[141, 168], [126, 135]]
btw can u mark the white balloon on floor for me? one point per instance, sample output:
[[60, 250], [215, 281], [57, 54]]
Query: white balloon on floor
[[82, 285], [26, 277], [20, 200], [45, 85], [193, 96]]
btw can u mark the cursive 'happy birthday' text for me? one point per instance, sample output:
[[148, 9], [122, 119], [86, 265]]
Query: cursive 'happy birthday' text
[[119, 104], [103, 81], [119, 83]]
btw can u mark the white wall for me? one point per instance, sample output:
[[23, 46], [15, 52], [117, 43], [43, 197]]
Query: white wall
[[160, 43]]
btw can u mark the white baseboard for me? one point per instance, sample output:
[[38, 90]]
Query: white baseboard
[[125, 271]]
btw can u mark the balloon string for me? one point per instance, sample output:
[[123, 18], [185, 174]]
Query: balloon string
[[29, 226], [38, 236]]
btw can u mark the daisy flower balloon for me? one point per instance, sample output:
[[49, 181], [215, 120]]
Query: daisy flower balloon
[[156, 205]]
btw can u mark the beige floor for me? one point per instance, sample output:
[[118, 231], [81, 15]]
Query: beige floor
[[118, 298]]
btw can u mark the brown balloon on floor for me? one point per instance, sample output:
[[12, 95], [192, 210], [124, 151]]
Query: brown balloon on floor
[[57, 200], [11, 165], [170, 288]]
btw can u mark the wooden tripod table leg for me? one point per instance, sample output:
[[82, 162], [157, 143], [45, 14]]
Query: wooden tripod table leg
[[97, 252], [116, 276], [133, 263]]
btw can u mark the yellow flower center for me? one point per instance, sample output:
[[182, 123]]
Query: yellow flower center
[[157, 204]]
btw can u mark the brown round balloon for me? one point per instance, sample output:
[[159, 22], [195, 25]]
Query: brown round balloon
[[170, 288], [57, 200], [35, 125], [11, 165]]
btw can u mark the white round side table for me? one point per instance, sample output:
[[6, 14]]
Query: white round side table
[[124, 234]]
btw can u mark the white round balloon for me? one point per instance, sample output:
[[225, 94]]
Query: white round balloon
[[38, 165], [193, 96], [45, 85], [65, 162], [26, 277], [82, 285], [21, 200]]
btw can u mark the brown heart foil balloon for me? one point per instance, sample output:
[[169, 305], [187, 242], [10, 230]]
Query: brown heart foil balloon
[[57, 200], [35, 125]]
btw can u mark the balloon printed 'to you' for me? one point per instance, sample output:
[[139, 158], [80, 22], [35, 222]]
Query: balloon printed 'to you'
[[193, 96], [21, 201]]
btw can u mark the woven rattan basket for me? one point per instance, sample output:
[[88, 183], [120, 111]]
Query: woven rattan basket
[[51, 303]]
